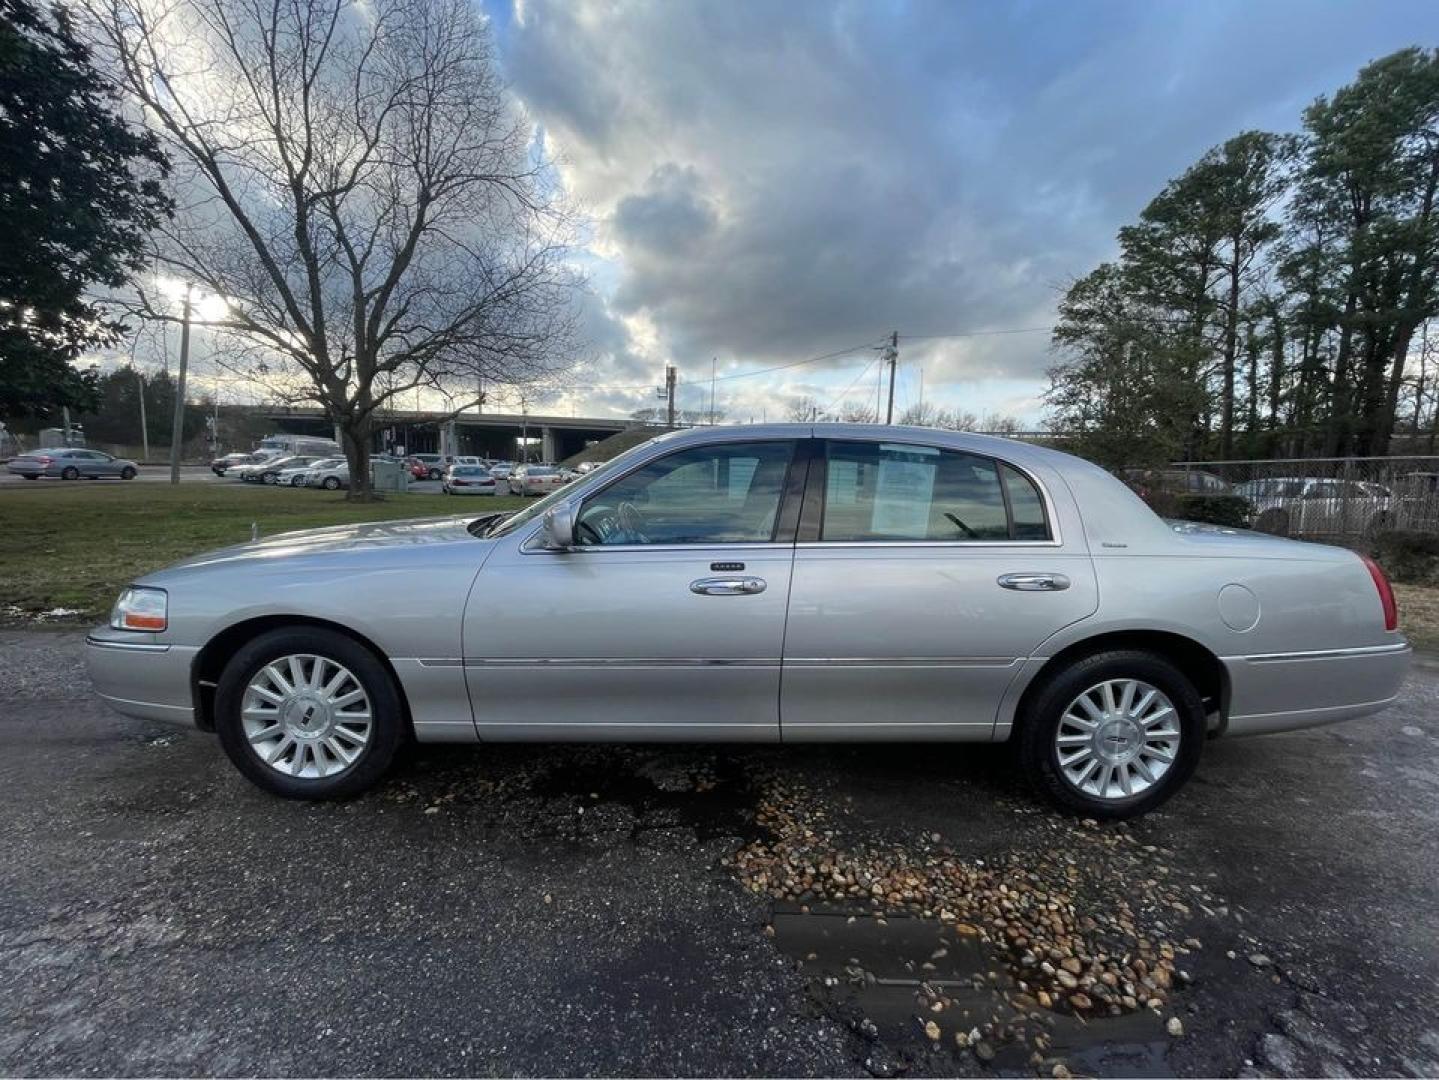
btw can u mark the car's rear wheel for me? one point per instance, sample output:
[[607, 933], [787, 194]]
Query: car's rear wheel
[[331, 483], [433, 474], [308, 713], [69, 472], [296, 481], [1113, 734], [127, 473], [269, 477]]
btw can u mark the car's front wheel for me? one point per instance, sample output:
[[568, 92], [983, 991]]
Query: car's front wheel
[[308, 713], [332, 483], [1113, 734], [127, 473]]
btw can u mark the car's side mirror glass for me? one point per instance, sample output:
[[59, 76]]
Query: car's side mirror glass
[[560, 527]]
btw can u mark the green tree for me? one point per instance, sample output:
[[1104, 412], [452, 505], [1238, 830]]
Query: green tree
[[1123, 391], [1372, 175], [78, 192]]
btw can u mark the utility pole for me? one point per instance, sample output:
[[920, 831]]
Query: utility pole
[[144, 424], [892, 355], [177, 428], [713, 360], [670, 395]]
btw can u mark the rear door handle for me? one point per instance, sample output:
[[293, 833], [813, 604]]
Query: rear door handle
[[1034, 582], [728, 586]]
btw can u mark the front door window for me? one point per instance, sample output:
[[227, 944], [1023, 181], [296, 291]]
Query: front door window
[[724, 494]]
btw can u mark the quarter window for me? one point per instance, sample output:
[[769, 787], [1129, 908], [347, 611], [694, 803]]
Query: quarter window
[[725, 494], [901, 492]]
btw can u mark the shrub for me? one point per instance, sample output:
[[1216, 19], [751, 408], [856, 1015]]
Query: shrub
[[1410, 558]]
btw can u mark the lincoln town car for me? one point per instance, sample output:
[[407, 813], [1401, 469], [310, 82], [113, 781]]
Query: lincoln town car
[[768, 583]]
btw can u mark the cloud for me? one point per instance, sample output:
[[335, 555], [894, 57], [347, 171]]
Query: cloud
[[777, 181]]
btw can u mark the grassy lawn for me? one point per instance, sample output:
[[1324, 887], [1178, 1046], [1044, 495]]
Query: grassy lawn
[[76, 546], [1419, 615]]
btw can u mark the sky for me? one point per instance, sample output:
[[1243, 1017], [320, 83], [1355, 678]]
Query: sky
[[769, 182]]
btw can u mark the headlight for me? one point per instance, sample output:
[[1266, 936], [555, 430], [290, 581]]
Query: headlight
[[141, 609]]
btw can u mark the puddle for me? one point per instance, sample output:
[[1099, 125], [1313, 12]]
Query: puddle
[[709, 794], [889, 978]]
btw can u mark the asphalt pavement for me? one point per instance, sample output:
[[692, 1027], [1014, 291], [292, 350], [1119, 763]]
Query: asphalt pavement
[[565, 910]]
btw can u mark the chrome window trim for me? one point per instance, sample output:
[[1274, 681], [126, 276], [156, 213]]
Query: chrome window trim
[[530, 547], [1051, 515], [836, 545]]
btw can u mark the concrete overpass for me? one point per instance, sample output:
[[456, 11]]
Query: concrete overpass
[[494, 435]]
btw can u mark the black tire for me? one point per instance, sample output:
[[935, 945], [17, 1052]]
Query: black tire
[[297, 481], [332, 484], [127, 473], [1039, 755], [434, 474], [386, 706], [31, 476], [269, 478], [69, 472]]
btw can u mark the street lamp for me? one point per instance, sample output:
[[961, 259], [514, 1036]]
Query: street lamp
[[210, 306]]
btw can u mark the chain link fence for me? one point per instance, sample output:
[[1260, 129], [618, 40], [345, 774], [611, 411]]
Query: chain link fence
[[1345, 499]]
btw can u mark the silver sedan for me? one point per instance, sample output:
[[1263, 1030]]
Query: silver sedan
[[71, 463], [795, 583]]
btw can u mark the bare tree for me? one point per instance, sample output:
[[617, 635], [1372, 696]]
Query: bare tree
[[353, 178], [853, 413], [802, 409]]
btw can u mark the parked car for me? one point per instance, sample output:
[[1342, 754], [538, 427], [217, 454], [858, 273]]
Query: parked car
[[1414, 502], [330, 474], [795, 582], [427, 466], [535, 480], [501, 470], [295, 475], [221, 465], [469, 480], [1317, 506], [1191, 495], [72, 463], [268, 471]]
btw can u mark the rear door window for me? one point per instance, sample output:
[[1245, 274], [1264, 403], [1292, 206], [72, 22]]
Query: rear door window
[[897, 492]]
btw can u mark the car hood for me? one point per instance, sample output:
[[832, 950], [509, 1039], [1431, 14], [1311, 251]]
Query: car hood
[[328, 543]]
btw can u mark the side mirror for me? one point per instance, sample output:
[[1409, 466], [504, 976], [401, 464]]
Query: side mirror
[[560, 527]]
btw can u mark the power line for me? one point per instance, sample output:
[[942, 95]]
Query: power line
[[840, 400], [799, 363], [977, 333]]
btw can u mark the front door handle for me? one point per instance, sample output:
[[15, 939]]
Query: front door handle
[[728, 586], [1034, 582]]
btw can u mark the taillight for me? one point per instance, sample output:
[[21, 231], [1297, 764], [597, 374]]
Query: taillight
[[1386, 593]]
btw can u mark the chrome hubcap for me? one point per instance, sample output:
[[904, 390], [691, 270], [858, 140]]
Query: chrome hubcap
[[1117, 739], [306, 716]]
